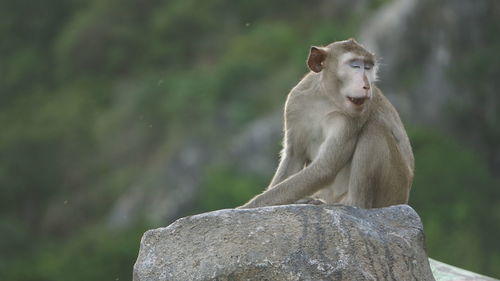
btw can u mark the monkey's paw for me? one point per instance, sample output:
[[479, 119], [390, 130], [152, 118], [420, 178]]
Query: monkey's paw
[[310, 200], [248, 205]]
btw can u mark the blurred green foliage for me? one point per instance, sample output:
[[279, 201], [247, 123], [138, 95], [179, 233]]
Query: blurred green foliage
[[227, 188], [457, 200], [476, 74], [90, 90]]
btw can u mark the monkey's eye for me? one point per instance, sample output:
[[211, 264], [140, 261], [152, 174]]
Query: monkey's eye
[[368, 66], [355, 64]]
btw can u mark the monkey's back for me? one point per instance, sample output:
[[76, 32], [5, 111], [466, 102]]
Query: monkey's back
[[397, 169]]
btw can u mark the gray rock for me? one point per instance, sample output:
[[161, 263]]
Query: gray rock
[[291, 242], [446, 272]]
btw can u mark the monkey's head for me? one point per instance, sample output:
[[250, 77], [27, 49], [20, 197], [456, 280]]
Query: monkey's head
[[348, 72]]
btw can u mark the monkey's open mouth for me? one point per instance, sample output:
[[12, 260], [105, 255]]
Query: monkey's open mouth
[[357, 101]]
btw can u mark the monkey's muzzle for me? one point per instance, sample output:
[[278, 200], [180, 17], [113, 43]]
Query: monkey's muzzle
[[357, 101]]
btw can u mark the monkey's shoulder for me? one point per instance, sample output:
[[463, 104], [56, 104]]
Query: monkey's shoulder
[[304, 122], [384, 112], [307, 107]]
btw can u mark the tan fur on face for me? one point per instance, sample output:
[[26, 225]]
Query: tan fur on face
[[351, 46], [336, 150]]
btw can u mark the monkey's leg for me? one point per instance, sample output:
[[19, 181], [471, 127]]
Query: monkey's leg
[[289, 165], [367, 169]]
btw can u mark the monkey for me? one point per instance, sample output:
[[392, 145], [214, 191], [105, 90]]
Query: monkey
[[344, 142]]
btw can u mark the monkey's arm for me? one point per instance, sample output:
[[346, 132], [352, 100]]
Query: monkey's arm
[[334, 153]]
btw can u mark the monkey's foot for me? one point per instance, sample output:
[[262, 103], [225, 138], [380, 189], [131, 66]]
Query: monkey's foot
[[309, 200]]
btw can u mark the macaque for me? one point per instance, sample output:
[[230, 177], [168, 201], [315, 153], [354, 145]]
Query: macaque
[[343, 140]]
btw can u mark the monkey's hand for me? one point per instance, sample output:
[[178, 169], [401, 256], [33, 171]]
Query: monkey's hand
[[246, 206], [260, 201], [310, 200], [249, 205]]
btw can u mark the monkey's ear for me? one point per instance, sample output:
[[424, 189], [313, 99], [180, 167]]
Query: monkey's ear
[[316, 59]]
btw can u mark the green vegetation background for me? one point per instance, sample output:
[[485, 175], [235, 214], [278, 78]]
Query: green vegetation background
[[91, 90]]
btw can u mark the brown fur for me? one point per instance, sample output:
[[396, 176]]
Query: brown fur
[[335, 151]]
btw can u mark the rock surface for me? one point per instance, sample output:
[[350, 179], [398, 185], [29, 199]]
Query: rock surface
[[291, 242], [446, 272]]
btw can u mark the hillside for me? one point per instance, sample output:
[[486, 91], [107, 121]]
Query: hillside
[[120, 116]]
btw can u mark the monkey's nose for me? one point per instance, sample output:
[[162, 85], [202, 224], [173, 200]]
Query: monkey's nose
[[366, 83]]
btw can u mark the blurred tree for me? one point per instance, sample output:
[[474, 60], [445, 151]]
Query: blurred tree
[[92, 91], [459, 202]]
